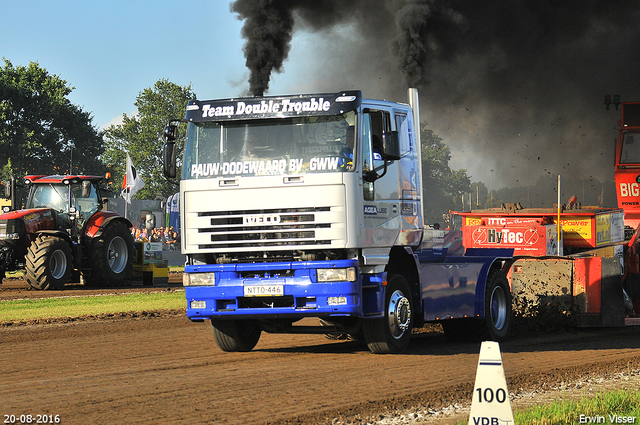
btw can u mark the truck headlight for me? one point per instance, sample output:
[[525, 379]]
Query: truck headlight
[[337, 275], [199, 279]]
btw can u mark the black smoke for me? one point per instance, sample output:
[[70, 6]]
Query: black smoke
[[268, 30], [514, 86]]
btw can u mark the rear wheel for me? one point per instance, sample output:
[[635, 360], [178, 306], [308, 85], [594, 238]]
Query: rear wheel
[[497, 315], [236, 335], [392, 333], [111, 256], [497, 308], [48, 263]]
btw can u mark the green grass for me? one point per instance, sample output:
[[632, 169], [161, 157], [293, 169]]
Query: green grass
[[600, 408], [47, 308]]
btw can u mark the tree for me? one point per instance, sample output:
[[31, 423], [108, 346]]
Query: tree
[[141, 135], [442, 185], [41, 131]]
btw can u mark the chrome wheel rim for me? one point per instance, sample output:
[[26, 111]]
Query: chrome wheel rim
[[398, 314]]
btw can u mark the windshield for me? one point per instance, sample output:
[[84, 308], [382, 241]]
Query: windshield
[[49, 196], [630, 153], [56, 196], [279, 146]]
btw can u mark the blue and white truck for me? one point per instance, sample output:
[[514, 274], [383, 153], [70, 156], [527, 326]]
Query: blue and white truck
[[310, 206]]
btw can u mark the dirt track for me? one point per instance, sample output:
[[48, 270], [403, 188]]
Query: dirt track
[[166, 369]]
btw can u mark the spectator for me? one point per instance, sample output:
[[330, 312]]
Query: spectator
[[155, 235], [170, 242], [176, 236]]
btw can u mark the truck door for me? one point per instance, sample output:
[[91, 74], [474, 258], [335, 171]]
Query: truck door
[[380, 183]]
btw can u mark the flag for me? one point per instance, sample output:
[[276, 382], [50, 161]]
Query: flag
[[132, 181]]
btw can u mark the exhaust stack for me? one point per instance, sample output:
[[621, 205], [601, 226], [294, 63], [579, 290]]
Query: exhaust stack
[[414, 102]]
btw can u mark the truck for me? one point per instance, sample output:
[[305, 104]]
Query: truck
[[303, 214], [64, 231]]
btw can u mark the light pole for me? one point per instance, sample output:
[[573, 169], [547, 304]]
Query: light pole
[[491, 188]]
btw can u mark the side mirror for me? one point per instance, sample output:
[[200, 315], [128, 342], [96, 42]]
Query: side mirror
[[169, 160], [171, 133], [391, 145], [86, 189]]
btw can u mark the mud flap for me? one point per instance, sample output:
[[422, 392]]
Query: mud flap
[[373, 292]]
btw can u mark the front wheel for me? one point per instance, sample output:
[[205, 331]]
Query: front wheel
[[111, 256], [48, 263], [236, 335], [392, 333]]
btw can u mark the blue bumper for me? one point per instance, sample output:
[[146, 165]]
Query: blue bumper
[[279, 290]]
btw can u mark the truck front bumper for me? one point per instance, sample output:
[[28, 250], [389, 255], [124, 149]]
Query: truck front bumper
[[273, 290]]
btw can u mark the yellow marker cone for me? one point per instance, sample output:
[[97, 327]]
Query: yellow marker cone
[[491, 404]]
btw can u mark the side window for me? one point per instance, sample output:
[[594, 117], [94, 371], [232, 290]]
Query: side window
[[404, 133], [375, 123], [367, 156], [86, 206]]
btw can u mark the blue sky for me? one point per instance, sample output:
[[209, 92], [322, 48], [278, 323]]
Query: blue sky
[[111, 50]]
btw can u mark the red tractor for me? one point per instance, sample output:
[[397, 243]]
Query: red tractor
[[64, 230]]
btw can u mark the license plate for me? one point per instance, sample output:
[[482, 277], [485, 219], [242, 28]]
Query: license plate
[[263, 290]]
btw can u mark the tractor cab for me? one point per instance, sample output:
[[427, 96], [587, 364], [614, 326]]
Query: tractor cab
[[72, 199]]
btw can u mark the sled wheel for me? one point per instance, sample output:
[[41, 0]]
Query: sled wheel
[[392, 333], [497, 308], [236, 335], [48, 263], [111, 256]]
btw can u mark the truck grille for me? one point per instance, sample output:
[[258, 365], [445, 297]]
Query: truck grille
[[264, 228]]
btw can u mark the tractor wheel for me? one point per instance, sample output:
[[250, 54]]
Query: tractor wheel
[[236, 335], [392, 333], [111, 257], [48, 263]]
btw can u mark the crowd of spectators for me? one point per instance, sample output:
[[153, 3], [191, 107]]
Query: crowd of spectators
[[167, 235]]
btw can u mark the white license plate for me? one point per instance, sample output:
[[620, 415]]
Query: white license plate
[[263, 290]]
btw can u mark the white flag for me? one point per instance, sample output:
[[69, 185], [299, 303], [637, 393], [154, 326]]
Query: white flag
[[132, 181]]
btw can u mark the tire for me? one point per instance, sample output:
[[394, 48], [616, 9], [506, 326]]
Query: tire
[[496, 324], [392, 333], [236, 335], [48, 263], [111, 257]]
